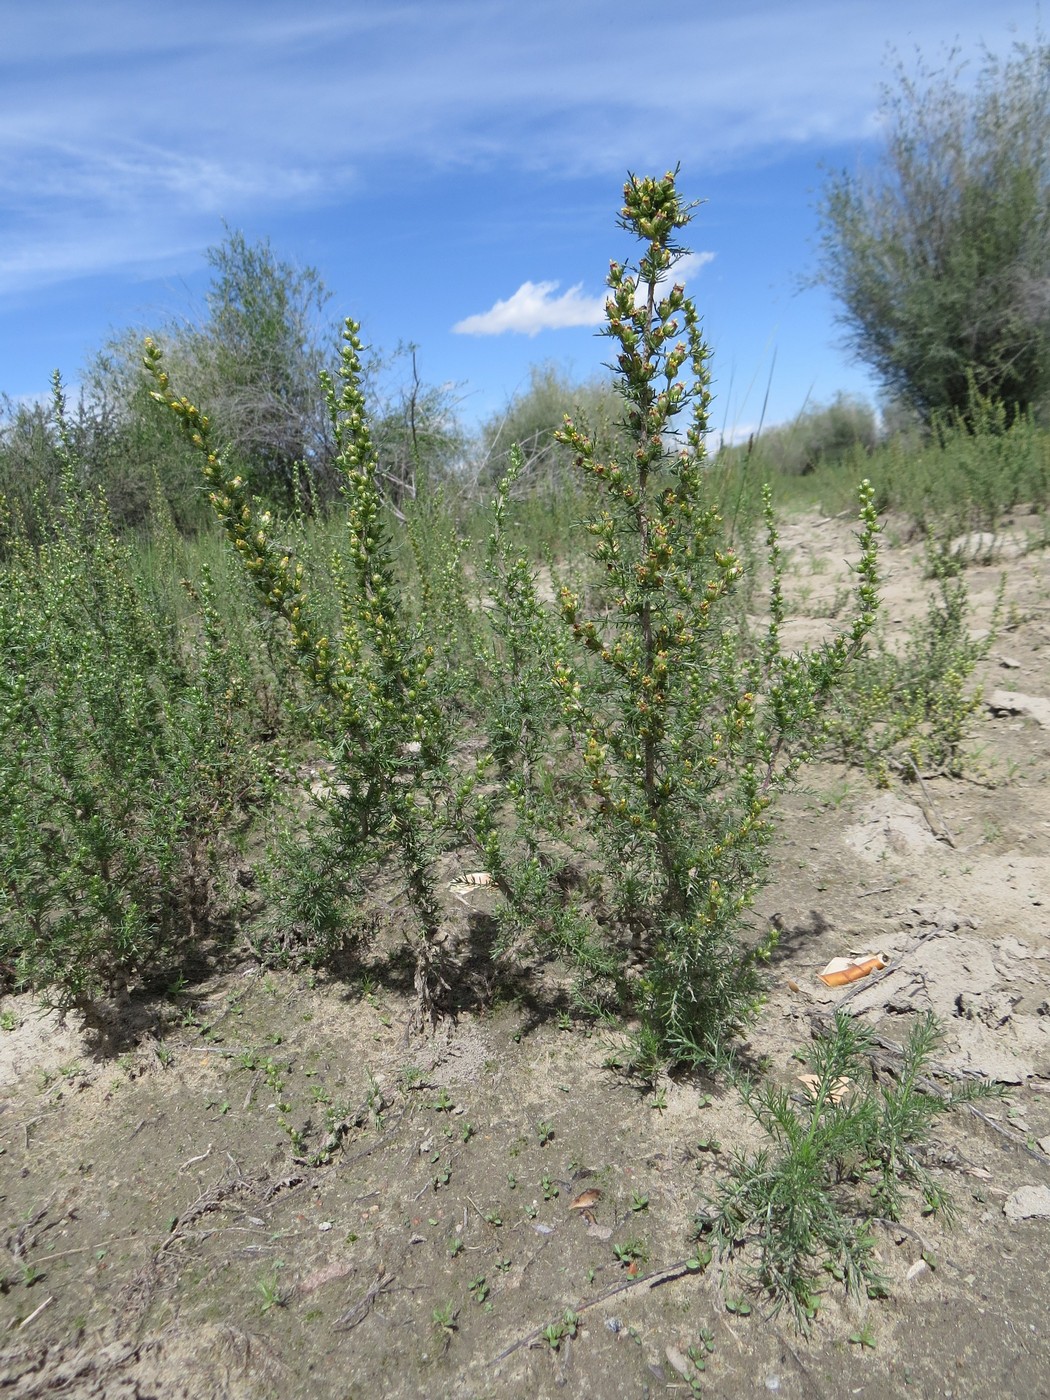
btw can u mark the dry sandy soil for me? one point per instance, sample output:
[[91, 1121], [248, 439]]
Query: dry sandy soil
[[161, 1239]]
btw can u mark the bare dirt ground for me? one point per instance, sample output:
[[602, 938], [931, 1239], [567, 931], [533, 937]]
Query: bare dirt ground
[[163, 1235]]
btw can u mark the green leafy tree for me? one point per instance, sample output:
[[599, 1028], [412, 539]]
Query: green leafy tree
[[259, 359], [940, 254]]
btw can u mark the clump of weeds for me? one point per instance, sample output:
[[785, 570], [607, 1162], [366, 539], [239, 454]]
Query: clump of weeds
[[842, 1155]]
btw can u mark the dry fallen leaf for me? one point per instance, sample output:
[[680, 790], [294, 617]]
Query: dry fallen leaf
[[838, 1091], [586, 1199], [841, 971]]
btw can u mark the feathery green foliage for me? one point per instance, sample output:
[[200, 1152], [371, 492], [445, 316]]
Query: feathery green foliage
[[842, 1154], [124, 765], [683, 756]]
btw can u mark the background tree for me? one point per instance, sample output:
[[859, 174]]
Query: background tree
[[532, 418], [255, 356], [940, 255], [420, 441], [259, 357]]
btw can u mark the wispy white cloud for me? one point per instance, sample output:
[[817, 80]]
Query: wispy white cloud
[[247, 107], [688, 266], [534, 306]]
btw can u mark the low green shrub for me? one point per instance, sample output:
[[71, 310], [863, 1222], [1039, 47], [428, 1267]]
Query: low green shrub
[[911, 709], [122, 762], [845, 1149]]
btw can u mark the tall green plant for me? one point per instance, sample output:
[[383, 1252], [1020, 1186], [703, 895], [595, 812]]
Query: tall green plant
[[685, 737], [388, 733]]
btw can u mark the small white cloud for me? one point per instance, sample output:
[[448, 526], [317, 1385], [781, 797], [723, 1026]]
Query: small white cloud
[[687, 267], [534, 308], [680, 275]]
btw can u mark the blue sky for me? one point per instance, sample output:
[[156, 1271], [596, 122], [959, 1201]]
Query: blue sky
[[452, 168]]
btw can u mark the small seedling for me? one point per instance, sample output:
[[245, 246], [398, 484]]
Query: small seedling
[[740, 1306], [544, 1132], [659, 1103], [630, 1252], [639, 1202], [270, 1292], [550, 1190], [455, 1247], [375, 1102], [556, 1332], [702, 1349], [443, 1103], [700, 1260], [863, 1337], [445, 1318], [479, 1288]]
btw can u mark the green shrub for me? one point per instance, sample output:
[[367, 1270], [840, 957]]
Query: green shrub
[[911, 709], [122, 764], [686, 737], [387, 734], [820, 435], [530, 423], [844, 1151], [633, 738]]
